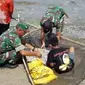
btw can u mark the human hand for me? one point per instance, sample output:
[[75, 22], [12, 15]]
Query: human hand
[[29, 46], [39, 55], [43, 45], [52, 64]]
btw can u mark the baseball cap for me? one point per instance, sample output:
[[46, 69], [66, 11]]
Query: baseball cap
[[22, 25]]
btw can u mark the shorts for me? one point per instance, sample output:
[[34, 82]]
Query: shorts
[[10, 55], [72, 55]]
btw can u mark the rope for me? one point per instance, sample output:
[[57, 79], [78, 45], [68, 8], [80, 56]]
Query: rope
[[65, 38]]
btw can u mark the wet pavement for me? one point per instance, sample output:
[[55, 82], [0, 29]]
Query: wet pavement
[[31, 11], [18, 76]]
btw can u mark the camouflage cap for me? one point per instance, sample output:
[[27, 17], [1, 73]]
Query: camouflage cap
[[23, 26]]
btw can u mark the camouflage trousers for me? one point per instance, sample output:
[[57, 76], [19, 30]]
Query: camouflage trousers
[[10, 56]]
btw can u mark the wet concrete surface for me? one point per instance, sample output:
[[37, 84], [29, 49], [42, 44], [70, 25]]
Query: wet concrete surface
[[18, 76], [76, 11], [77, 75]]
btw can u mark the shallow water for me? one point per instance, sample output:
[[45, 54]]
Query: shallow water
[[32, 11]]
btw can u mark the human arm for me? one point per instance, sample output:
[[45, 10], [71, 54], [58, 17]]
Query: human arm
[[23, 49], [63, 13], [50, 62], [30, 53], [27, 50], [66, 14], [42, 38]]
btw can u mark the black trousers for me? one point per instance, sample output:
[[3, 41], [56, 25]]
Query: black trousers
[[3, 28]]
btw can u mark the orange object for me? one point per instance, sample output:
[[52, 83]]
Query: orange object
[[58, 35], [6, 10]]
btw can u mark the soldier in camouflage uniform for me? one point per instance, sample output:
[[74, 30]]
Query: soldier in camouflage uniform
[[11, 45], [54, 17]]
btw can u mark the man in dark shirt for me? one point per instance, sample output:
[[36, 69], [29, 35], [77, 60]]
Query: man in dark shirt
[[59, 58]]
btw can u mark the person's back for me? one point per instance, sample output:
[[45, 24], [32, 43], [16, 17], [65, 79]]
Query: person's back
[[6, 11], [59, 58], [8, 41], [12, 47], [54, 13]]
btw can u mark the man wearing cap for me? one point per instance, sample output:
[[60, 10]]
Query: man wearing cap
[[11, 46]]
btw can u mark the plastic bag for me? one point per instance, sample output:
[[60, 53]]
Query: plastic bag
[[40, 73]]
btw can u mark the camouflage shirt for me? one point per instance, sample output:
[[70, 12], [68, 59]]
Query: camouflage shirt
[[9, 41], [53, 13]]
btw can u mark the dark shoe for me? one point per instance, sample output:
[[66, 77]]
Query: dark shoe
[[9, 65], [2, 65]]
